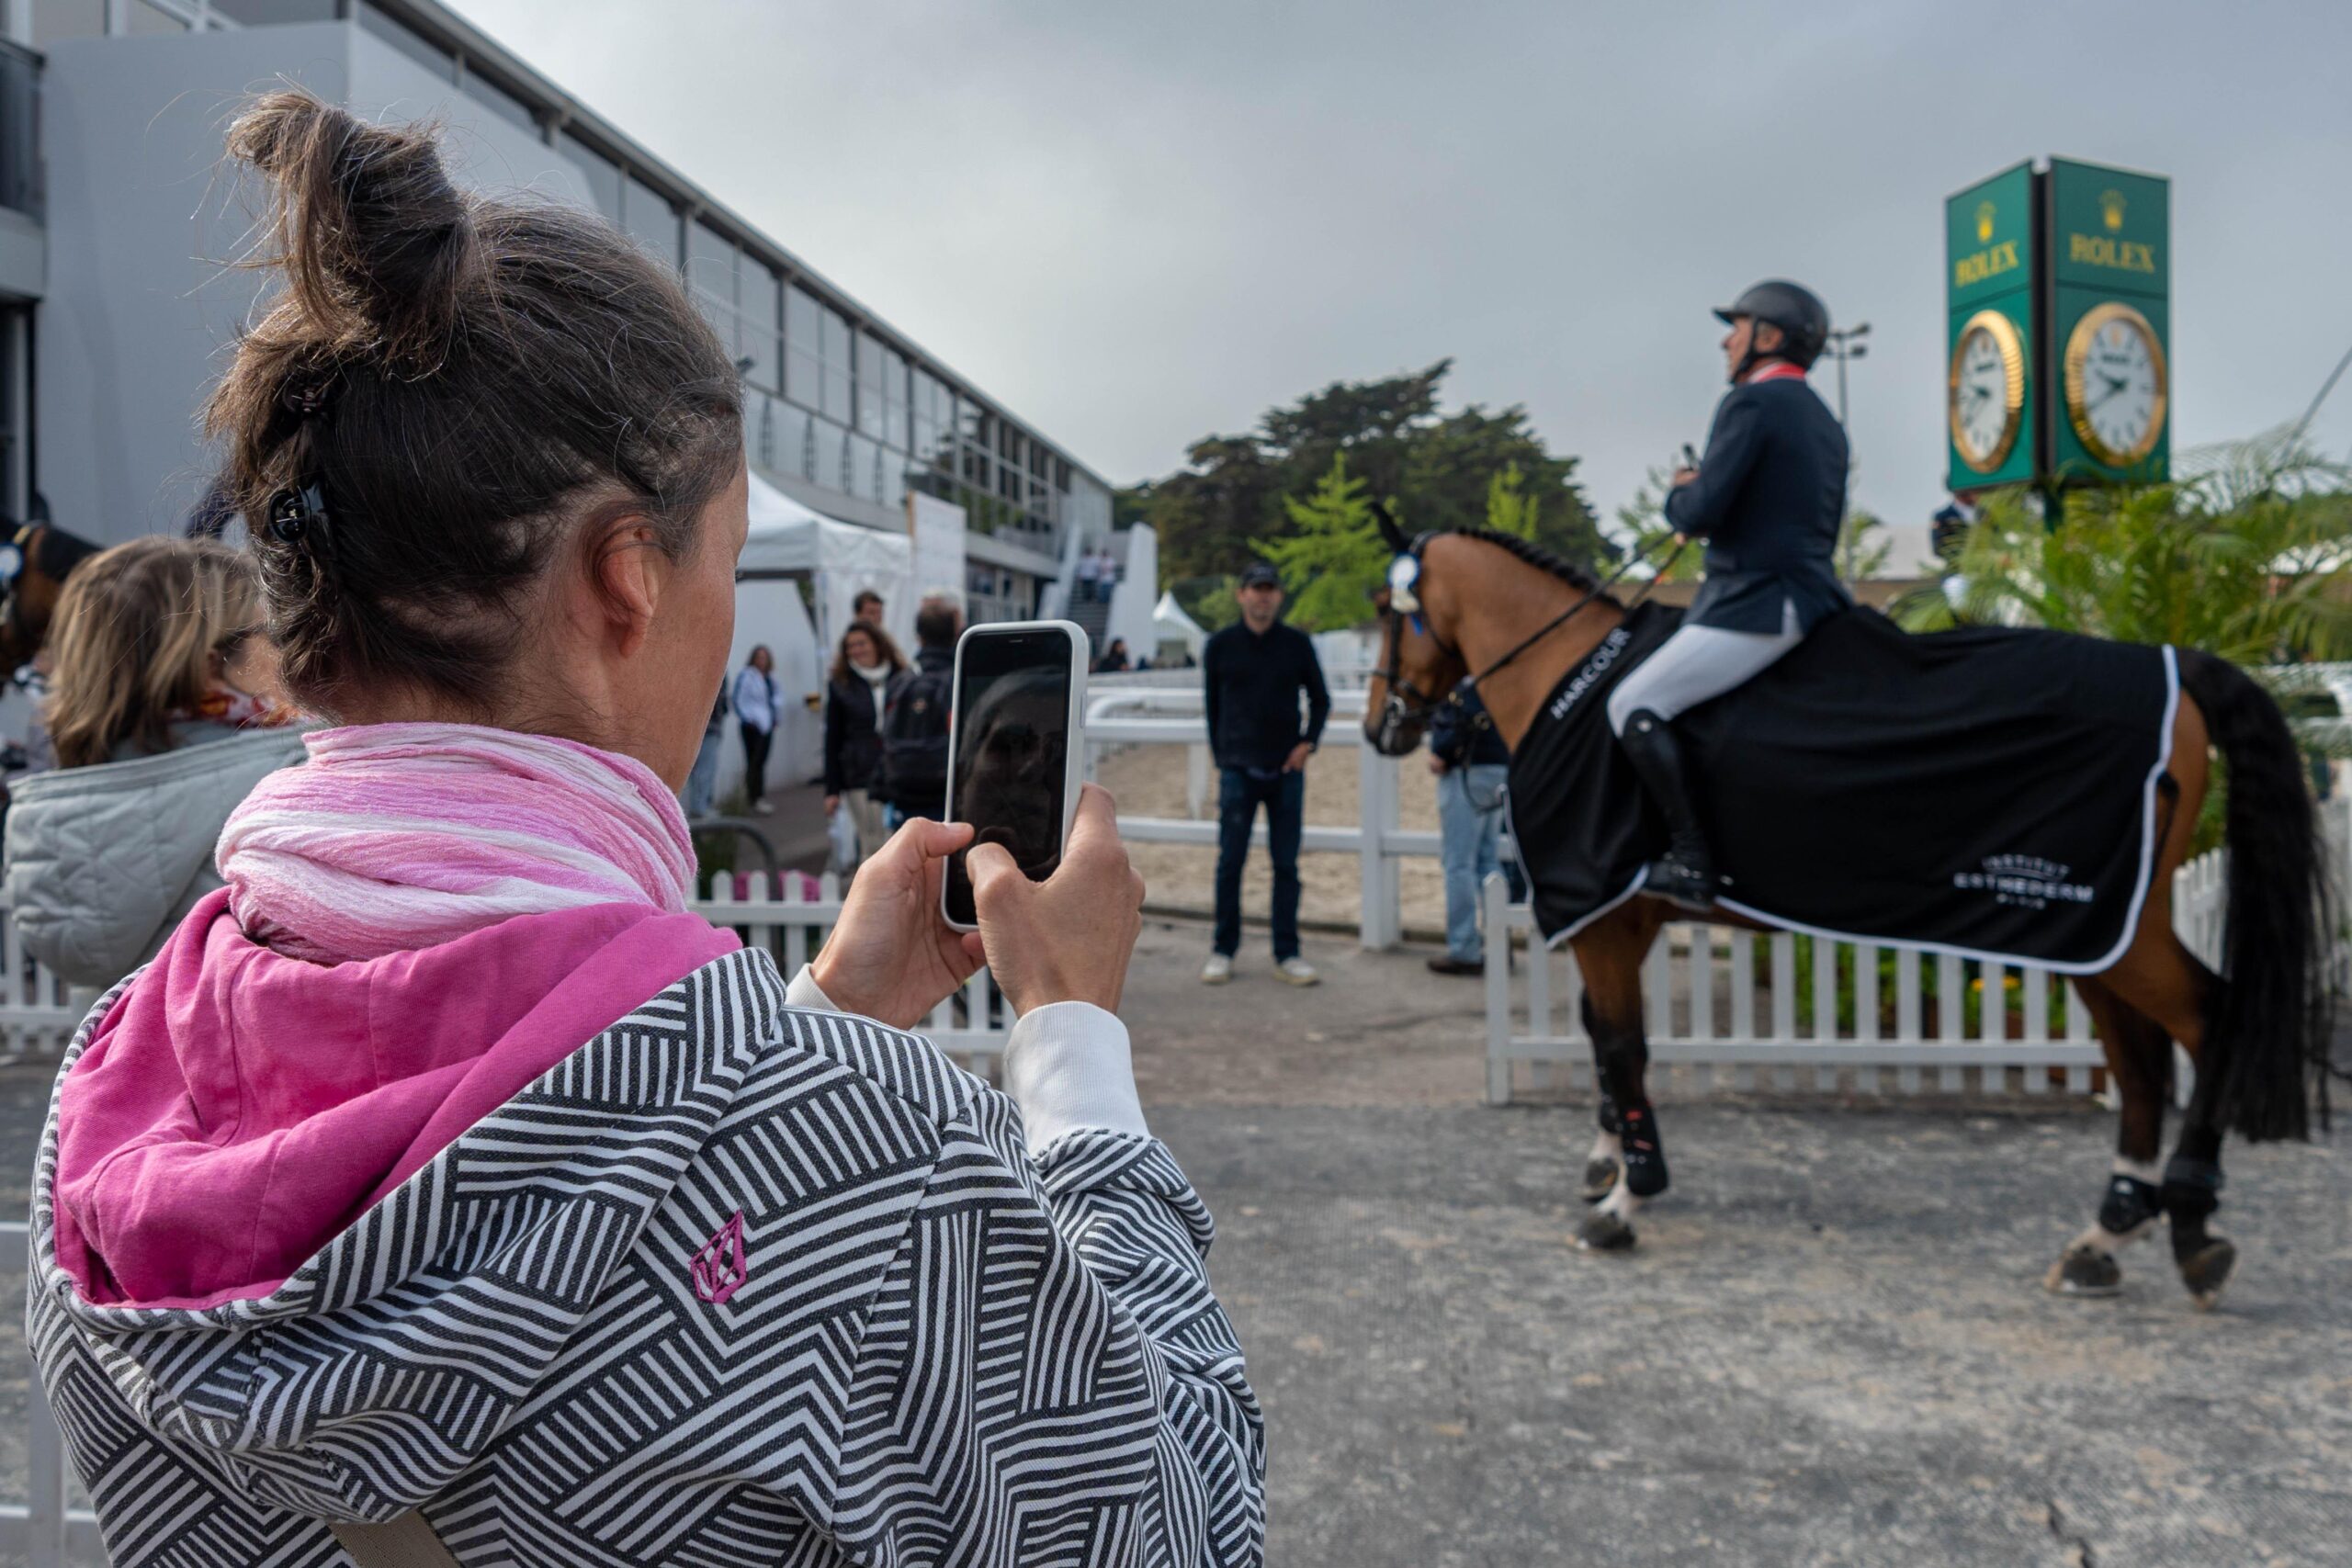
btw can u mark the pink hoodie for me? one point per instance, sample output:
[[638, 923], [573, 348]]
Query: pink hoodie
[[236, 1109]]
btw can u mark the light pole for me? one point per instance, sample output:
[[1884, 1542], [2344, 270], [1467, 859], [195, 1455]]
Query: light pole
[[1845, 345]]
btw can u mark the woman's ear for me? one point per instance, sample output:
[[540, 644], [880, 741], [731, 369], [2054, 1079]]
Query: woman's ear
[[628, 571]]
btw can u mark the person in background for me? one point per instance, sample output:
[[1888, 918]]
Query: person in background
[[1115, 658], [1472, 765], [866, 670], [447, 1170], [1089, 573], [1106, 573], [866, 607], [164, 708], [702, 784], [1253, 673], [914, 728], [755, 712]]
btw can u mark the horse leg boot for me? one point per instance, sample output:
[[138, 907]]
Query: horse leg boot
[[2139, 1058], [1686, 872], [1604, 1163], [1624, 1056], [2192, 1191]]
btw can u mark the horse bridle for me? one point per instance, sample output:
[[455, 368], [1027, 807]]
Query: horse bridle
[[1397, 712]]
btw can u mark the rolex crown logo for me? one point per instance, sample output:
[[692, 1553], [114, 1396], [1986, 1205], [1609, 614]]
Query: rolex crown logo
[[2111, 208], [1984, 211]]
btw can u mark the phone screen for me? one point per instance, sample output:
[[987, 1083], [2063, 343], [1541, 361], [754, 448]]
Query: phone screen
[[1011, 757]]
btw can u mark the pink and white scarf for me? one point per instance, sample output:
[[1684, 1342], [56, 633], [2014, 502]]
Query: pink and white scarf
[[396, 837]]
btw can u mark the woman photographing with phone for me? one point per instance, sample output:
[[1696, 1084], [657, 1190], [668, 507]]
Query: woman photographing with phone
[[445, 1187]]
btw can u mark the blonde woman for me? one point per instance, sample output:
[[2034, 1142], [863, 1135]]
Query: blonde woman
[[164, 709]]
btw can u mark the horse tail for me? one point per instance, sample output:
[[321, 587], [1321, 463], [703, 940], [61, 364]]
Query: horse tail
[[2266, 1023]]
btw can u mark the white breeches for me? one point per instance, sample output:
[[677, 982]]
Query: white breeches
[[1697, 663]]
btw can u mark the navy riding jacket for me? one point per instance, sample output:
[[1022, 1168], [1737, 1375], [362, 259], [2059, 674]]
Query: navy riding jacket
[[1769, 500]]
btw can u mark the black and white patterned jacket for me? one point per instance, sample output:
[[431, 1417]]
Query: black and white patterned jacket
[[734, 1283]]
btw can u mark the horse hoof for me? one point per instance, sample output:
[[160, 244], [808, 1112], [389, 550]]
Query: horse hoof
[[2205, 1272], [1604, 1232], [1599, 1178], [2085, 1271]]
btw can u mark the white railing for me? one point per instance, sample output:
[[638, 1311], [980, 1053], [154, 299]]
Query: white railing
[[1154, 715]]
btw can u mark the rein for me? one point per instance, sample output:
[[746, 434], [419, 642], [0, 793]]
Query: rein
[[1398, 712]]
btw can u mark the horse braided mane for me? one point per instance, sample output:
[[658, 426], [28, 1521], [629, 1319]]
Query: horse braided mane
[[1536, 555]]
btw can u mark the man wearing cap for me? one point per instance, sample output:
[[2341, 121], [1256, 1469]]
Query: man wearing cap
[[1253, 674], [1768, 498]]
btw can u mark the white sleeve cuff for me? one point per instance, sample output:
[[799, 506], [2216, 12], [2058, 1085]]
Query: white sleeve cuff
[[804, 993], [1067, 1067]]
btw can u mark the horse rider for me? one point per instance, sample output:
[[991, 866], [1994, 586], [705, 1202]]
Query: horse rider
[[1768, 497]]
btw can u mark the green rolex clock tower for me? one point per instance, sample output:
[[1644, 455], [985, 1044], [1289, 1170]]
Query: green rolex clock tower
[[2057, 287]]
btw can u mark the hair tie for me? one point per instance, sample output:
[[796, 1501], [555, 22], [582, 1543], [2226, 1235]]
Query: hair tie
[[306, 396], [299, 513]]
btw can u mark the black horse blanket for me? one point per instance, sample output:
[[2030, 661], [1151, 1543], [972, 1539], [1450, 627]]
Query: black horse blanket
[[1989, 792]]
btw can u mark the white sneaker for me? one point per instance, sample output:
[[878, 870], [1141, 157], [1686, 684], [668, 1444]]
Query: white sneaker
[[1217, 970], [764, 807], [1298, 972]]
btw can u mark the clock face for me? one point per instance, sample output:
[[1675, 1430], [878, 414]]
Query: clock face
[[1987, 391], [2115, 385]]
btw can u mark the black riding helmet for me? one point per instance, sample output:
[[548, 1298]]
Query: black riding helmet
[[1797, 310]]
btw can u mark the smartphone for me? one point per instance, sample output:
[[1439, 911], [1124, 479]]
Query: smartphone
[[1016, 751]]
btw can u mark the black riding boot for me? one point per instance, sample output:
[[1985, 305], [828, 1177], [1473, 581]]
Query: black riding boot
[[1685, 873]]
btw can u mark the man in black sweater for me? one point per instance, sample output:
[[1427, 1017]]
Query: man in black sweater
[[1253, 673]]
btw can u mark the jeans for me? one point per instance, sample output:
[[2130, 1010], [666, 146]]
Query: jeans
[[702, 784], [755, 764], [1239, 794], [1470, 827]]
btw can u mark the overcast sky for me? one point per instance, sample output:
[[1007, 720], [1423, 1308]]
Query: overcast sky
[[1137, 224]]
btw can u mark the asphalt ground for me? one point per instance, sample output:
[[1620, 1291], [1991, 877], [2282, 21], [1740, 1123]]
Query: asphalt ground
[[1832, 1346]]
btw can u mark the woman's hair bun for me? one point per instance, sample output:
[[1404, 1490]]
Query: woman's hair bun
[[375, 238]]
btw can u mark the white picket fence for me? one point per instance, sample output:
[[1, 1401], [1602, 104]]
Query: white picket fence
[[1729, 1004]]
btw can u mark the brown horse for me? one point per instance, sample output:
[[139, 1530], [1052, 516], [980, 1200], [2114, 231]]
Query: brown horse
[[1480, 595], [35, 559]]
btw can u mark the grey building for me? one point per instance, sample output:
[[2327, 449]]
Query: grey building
[[117, 299]]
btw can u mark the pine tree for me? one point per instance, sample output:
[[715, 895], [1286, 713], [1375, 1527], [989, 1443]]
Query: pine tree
[[1336, 561], [1509, 509]]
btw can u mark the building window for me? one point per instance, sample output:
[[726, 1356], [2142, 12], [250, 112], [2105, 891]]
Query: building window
[[159, 17], [804, 372], [650, 220], [262, 13], [833, 346], [755, 291], [56, 20], [498, 101], [865, 474], [600, 174], [895, 432], [424, 51]]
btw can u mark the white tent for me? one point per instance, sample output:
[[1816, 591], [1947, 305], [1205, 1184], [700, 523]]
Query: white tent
[[790, 544], [841, 559], [1170, 623]]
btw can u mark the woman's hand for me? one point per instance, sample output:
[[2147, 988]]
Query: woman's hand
[[893, 956], [831, 803], [1066, 939]]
